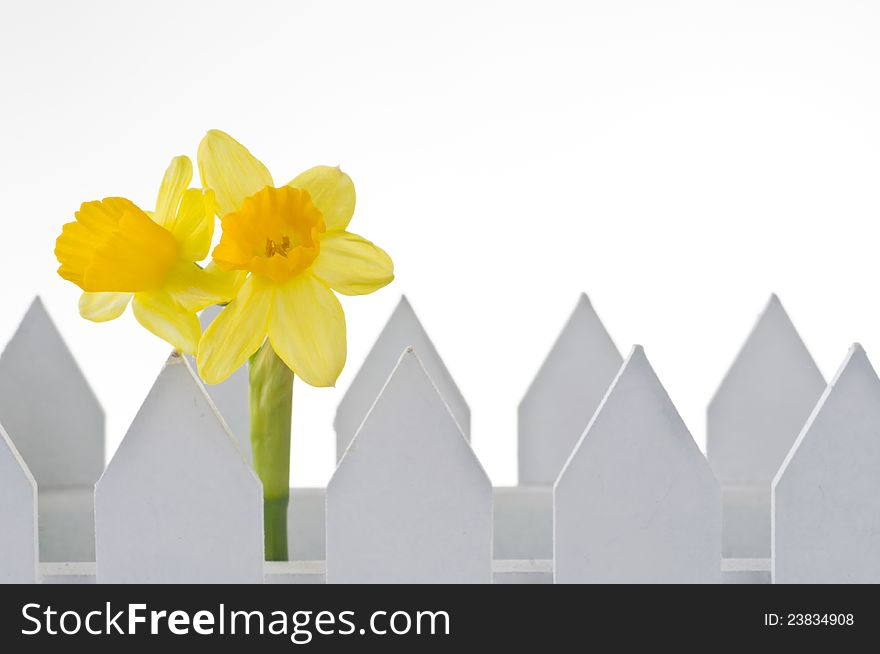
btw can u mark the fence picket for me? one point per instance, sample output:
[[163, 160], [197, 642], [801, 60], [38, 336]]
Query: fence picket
[[637, 501], [826, 496], [409, 501], [178, 502], [402, 330], [753, 420], [231, 395], [564, 395], [64, 446], [18, 515]]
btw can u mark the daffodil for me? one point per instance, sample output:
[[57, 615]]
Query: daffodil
[[119, 254], [293, 245], [293, 242]]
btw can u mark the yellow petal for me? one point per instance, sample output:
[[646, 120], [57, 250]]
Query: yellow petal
[[195, 288], [193, 224], [101, 307], [234, 277], [236, 333], [230, 171], [307, 330], [332, 192], [352, 265], [137, 256], [158, 312], [176, 180]]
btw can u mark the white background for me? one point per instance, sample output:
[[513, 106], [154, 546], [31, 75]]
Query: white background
[[677, 162]]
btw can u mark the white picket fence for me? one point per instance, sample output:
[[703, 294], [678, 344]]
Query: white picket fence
[[613, 487]]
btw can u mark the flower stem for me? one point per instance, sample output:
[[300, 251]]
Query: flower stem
[[271, 395]]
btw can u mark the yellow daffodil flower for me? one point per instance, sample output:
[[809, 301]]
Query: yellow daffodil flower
[[293, 244], [117, 254]]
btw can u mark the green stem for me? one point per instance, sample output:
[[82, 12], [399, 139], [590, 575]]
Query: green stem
[[271, 395], [275, 528]]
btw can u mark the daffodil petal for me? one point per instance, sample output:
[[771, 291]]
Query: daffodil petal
[[101, 307], [307, 330], [195, 288], [232, 172], [158, 312], [352, 265], [332, 192], [234, 277], [193, 224], [174, 183], [236, 333]]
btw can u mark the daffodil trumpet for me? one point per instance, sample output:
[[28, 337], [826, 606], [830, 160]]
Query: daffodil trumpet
[[291, 248], [119, 254]]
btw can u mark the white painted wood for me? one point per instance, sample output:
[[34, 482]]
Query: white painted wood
[[47, 406], [523, 518], [753, 420], [231, 395], [178, 503], [294, 572], [637, 501], [826, 496], [67, 524], [67, 573], [745, 571], [527, 571], [564, 395], [409, 502], [523, 523], [18, 517], [402, 330], [306, 526]]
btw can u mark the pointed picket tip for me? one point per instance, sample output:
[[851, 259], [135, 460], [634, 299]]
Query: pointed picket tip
[[63, 446], [752, 422], [763, 401], [409, 501], [19, 557], [564, 394], [178, 503], [826, 495], [637, 502], [402, 330], [231, 395]]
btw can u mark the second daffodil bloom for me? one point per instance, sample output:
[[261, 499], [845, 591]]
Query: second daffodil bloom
[[118, 253], [293, 242]]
